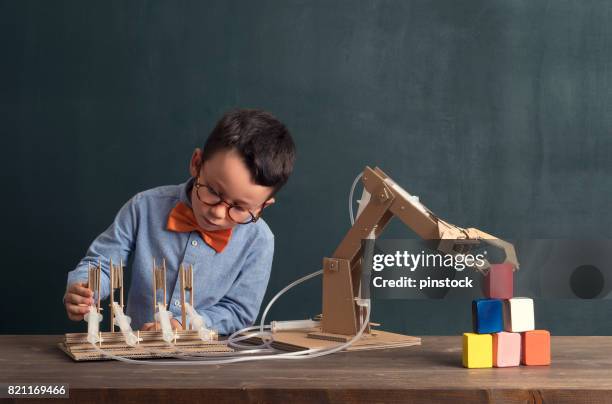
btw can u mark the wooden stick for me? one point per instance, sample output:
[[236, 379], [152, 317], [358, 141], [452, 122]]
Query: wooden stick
[[89, 280], [99, 275], [164, 273], [121, 281], [159, 282], [111, 295], [154, 293], [182, 283], [191, 282], [191, 289]]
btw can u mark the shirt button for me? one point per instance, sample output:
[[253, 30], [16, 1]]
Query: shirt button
[[194, 243]]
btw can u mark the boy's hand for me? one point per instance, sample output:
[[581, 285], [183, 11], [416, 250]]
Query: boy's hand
[[151, 326], [77, 300]]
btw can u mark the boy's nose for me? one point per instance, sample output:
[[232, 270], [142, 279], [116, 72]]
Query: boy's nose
[[219, 211]]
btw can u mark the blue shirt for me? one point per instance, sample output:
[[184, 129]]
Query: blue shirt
[[228, 286]]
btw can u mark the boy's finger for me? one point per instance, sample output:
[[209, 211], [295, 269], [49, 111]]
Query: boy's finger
[[74, 309], [81, 290], [147, 326], [76, 299]]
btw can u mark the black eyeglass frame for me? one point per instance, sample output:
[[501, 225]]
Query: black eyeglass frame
[[228, 205]]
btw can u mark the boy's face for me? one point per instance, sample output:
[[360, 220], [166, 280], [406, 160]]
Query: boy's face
[[227, 175]]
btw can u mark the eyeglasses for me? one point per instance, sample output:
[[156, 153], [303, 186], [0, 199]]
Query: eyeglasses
[[210, 197]]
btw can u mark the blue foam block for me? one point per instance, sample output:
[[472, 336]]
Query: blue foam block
[[487, 316]]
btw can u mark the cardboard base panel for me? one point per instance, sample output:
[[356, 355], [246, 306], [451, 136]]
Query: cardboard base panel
[[153, 346], [308, 339]]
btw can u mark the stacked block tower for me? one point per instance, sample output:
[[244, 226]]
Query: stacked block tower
[[504, 331]]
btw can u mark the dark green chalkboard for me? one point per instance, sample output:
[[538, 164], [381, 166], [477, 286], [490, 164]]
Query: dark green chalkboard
[[498, 114]]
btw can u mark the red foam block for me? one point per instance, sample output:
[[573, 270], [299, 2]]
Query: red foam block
[[498, 283]]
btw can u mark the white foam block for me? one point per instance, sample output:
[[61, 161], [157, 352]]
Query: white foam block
[[518, 314]]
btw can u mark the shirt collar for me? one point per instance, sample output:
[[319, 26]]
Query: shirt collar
[[185, 195]]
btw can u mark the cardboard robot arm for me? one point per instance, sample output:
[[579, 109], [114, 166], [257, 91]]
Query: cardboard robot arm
[[383, 199]]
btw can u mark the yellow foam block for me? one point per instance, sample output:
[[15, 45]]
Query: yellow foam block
[[477, 350]]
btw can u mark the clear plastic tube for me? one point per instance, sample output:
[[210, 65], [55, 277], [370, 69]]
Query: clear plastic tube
[[352, 217], [306, 354], [266, 336], [234, 339], [263, 332], [279, 294]]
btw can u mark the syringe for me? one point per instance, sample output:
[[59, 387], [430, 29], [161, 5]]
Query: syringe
[[123, 322]]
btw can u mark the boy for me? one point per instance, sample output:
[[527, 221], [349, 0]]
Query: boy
[[213, 222]]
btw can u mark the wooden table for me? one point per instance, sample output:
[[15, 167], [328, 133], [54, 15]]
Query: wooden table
[[581, 372]]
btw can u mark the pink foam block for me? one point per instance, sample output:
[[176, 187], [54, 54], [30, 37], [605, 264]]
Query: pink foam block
[[506, 349], [498, 283]]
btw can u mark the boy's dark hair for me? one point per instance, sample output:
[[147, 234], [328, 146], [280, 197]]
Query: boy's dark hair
[[263, 141]]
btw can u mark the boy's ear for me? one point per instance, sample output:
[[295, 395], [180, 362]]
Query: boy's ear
[[268, 202], [195, 163]]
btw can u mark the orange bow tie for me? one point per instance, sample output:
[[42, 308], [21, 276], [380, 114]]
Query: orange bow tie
[[182, 219]]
